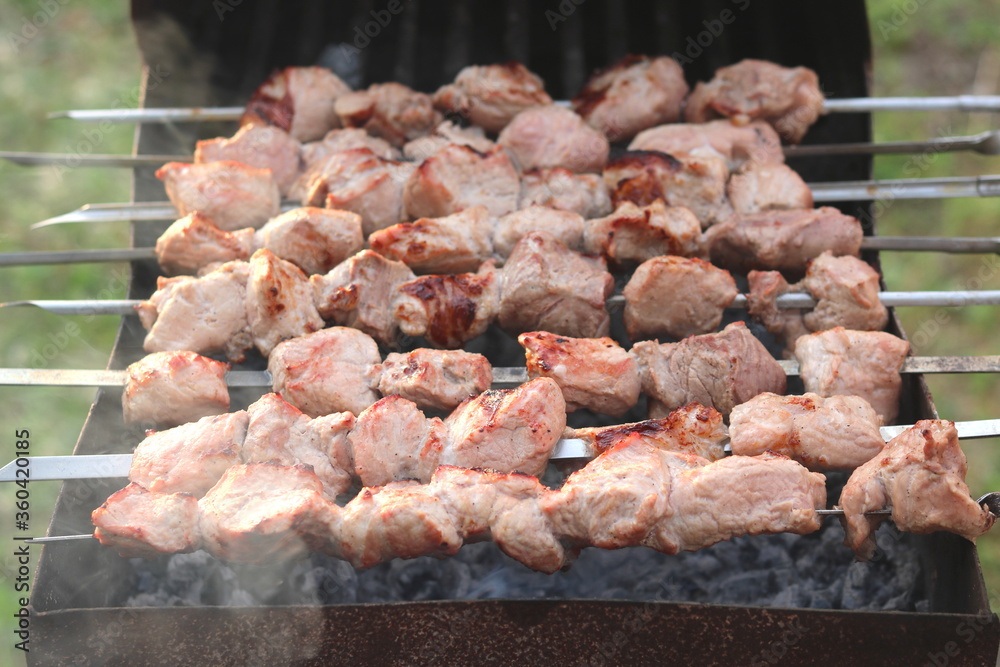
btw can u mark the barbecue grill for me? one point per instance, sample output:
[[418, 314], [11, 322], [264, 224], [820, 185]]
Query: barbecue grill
[[91, 606]]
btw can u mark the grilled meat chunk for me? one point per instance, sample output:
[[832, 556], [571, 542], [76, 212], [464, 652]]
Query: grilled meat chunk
[[299, 100], [697, 182], [787, 98], [393, 440], [548, 287], [279, 301], [316, 153], [443, 135], [921, 477], [358, 180], [719, 370], [189, 458], [143, 524], [782, 240], [635, 93], [835, 433], [449, 310], [314, 239], [785, 324], [434, 379], [278, 432], [359, 293], [257, 146], [328, 371], [757, 187], [391, 110], [452, 244], [491, 95], [593, 373], [585, 194], [176, 387], [854, 363], [233, 195], [218, 300], [693, 430], [636, 234], [736, 144], [676, 297], [195, 241], [566, 226], [551, 136], [263, 512], [458, 177]]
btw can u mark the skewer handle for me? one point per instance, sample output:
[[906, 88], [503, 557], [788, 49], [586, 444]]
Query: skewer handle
[[952, 103], [178, 115]]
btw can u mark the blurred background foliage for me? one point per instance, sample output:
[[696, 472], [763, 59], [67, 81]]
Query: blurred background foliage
[[85, 56]]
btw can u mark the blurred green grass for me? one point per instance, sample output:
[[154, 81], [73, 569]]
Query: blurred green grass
[[85, 56]]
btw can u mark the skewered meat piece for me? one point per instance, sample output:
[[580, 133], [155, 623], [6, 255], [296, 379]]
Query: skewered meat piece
[[676, 297], [566, 226], [720, 370], [551, 136], [444, 134], [846, 290], [695, 181], [142, 524], [637, 233], [593, 373], [395, 112], [458, 177], [854, 363], [171, 388], [449, 310], [921, 477], [217, 300], [782, 240], [232, 194], [787, 98], [736, 144], [635, 93], [548, 287], [279, 301], [359, 293], [299, 100], [835, 433], [757, 187], [437, 379], [278, 432], [189, 458], [316, 153], [393, 440], [584, 194], [451, 244], [193, 242], [491, 95], [263, 512], [358, 180], [326, 371], [314, 239], [693, 430], [257, 146]]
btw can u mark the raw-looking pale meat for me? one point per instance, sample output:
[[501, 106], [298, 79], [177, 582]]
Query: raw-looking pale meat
[[552, 136], [456, 243], [195, 241], [736, 144], [434, 379], [585, 194], [491, 95], [314, 239], [638, 233], [138, 523], [231, 194], [261, 146], [299, 100], [566, 226], [391, 110], [458, 177], [176, 387]]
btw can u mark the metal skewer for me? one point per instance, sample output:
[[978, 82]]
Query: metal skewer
[[74, 160]]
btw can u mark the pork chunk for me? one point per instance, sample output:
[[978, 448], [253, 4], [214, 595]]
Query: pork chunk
[[719, 370], [553, 136], [140, 523], [189, 458], [736, 144], [279, 302], [491, 95], [854, 363], [836, 433], [635, 93], [585, 194], [443, 135], [760, 187], [391, 110], [548, 287], [434, 379], [257, 146], [449, 310], [566, 226], [316, 153], [393, 440], [847, 293], [453, 244], [458, 177], [921, 476], [638, 233], [195, 241], [299, 100], [314, 239], [593, 373], [785, 324], [326, 372], [233, 195], [171, 388], [676, 297]]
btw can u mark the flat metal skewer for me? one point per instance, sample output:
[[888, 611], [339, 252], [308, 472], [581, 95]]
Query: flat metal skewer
[[74, 160]]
